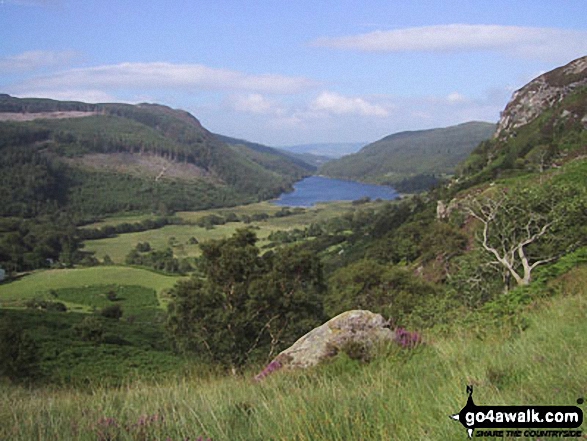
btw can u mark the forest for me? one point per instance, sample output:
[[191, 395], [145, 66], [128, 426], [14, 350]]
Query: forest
[[45, 182]]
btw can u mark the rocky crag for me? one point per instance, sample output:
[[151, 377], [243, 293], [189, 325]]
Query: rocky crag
[[539, 94]]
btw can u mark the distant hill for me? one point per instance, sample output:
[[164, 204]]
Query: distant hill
[[308, 161], [315, 161], [271, 158], [329, 150], [412, 160], [94, 159]]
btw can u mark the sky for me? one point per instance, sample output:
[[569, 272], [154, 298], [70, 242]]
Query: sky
[[286, 72]]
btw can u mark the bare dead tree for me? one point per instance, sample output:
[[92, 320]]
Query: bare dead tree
[[508, 227]]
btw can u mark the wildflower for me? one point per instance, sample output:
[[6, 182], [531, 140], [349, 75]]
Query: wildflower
[[407, 339], [275, 365]]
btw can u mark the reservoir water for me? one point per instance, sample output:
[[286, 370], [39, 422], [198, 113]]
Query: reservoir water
[[314, 189]]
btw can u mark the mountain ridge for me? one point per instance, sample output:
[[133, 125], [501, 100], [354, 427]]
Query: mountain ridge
[[325, 149], [57, 146], [542, 126], [546, 90], [411, 159]]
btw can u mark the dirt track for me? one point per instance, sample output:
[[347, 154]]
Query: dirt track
[[43, 115]]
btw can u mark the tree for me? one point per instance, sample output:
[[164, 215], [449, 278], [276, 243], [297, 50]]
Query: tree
[[19, 354], [525, 227], [391, 291], [246, 306], [90, 329], [286, 301], [144, 247], [112, 311]]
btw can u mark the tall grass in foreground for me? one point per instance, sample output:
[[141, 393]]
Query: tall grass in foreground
[[406, 395]]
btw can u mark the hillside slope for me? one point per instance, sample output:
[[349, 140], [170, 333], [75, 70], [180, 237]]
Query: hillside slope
[[542, 127], [104, 158], [268, 157], [404, 158]]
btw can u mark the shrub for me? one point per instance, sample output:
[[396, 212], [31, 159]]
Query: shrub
[[393, 292], [89, 260], [19, 354], [407, 339], [112, 312], [358, 350], [143, 247], [361, 201], [90, 329], [46, 305]]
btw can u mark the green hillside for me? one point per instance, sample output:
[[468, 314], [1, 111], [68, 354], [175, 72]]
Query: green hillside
[[127, 157], [410, 160], [405, 395], [273, 158], [555, 137], [268, 157], [314, 161]]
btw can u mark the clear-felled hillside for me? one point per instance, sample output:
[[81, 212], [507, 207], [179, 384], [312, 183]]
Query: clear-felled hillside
[[104, 158]]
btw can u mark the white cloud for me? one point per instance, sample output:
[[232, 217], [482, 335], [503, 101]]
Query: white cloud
[[455, 108], [166, 76], [35, 60], [456, 97], [338, 104], [540, 43], [255, 103], [321, 120]]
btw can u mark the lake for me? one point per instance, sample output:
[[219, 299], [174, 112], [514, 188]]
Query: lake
[[314, 189]]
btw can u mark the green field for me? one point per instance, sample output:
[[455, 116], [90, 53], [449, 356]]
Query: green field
[[131, 345], [117, 220], [319, 212], [39, 283], [118, 247]]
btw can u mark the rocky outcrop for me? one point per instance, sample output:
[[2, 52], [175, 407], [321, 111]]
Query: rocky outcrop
[[541, 93], [352, 327], [443, 210]]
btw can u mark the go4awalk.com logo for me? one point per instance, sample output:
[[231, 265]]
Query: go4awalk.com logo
[[517, 421]]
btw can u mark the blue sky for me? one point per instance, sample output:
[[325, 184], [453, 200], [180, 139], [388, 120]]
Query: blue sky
[[291, 71]]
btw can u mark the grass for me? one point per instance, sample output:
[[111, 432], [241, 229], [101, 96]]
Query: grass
[[403, 395], [128, 349], [39, 283], [134, 346], [118, 247], [136, 301], [117, 220]]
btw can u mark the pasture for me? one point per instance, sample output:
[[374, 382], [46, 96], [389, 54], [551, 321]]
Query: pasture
[[178, 237], [38, 284]]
